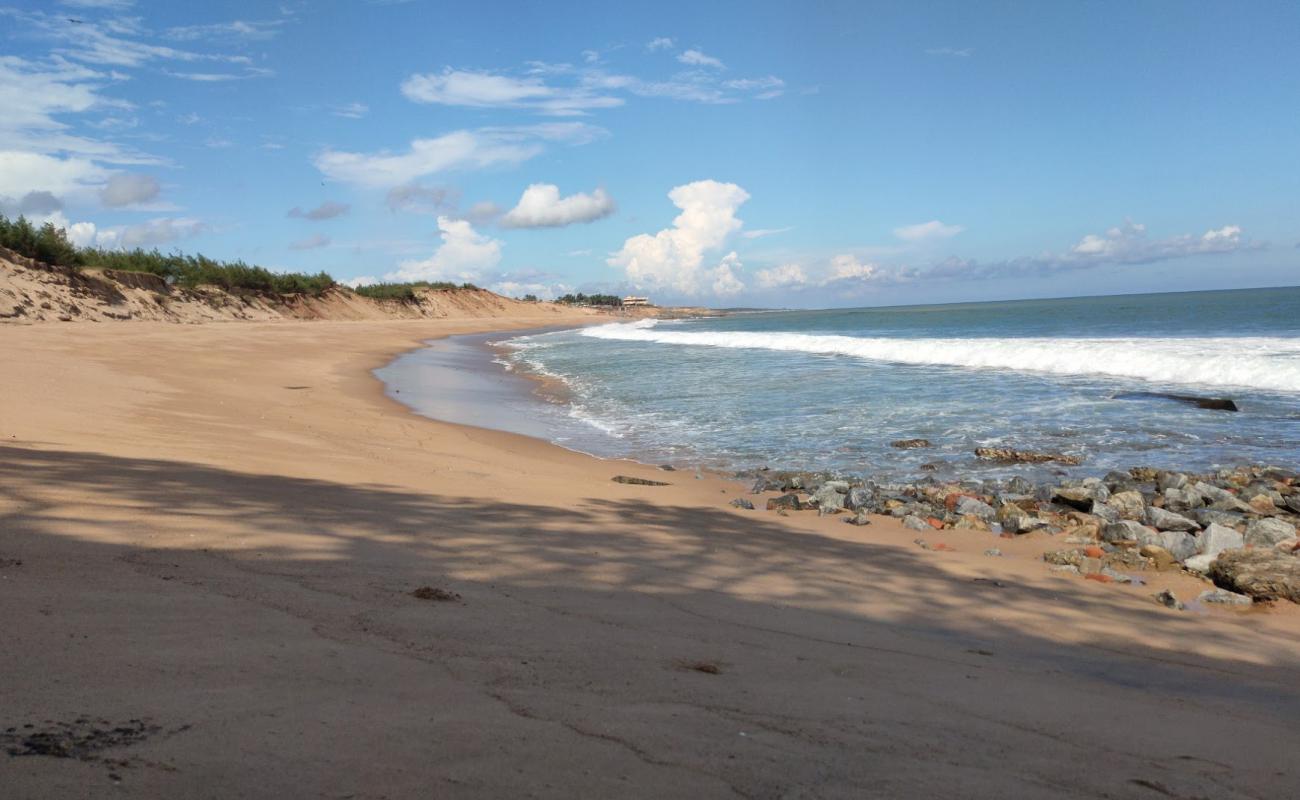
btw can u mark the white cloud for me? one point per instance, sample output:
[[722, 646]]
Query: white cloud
[[673, 258], [783, 276], [459, 150], [129, 189], [311, 242], [759, 233], [163, 230], [464, 255], [236, 30], [955, 52], [489, 90], [541, 206], [926, 231], [659, 43], [23, 172], [116, 42], [351, 110], [847, 267], [326, 210], [697, 58], [765, 88], [725, 280], [1128, 243]]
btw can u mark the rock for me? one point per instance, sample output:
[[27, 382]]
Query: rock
[[1180, 544], [1167, 599], [1217, 538], [913, 522], [1260, 574], [1211, 403], [1262, 504], [1160, 557], [970, 522], [1079, 498], [786, 501], [1199, 564], [1129, 505], [1293, 502], [993, 551], [976, 508], [1212, 493], [1224, 597], [1268, 532], [1170, 480], [1289, 546], [1208, 516], [857, 499], [910, 444], [1168, 521], [741, 502], [1182, 500], [1067, 568], [1105, 512], [1023, 524], [1126, 530], [828, 498], [1007, 455], [1058, 557], [859, 518]]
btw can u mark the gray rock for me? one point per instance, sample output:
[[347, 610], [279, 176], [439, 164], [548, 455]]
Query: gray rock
[[1217, 538], [1224, 597], [857, 499], [1212, 493], [1167, 599], [1079, 498], [978, 508], [1293, 503], [1126, 530], [859, 518], [1067, 568], [993, 551], [840, 486], [1171, 480], [1268, 532], [1106, 512], [1129, 505], [1169, 521], [1183, 500], [1199, 564], [916, 523], [828, 498], [1180, 543], [1208, 516], [741, 502]]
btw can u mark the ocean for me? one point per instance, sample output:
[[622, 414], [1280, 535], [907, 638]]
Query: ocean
[[832, 389]]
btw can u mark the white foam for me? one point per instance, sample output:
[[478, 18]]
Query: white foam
[[1265, 363]]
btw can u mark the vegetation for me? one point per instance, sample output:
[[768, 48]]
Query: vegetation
[[581, 299], [530, 298], [405, 292], [51, 245]]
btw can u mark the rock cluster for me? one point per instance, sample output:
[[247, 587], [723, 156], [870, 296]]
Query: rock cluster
[[1237, 527]]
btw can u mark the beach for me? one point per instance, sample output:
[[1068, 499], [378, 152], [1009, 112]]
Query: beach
[[210, 536]]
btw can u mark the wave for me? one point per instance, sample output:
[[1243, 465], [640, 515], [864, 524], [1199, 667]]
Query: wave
[[1262, 363]]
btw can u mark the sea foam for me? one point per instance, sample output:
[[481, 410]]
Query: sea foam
[[1261, 363]]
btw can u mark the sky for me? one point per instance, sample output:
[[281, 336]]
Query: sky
[[811, 154]]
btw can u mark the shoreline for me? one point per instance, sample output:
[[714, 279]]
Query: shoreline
[[241, 513]]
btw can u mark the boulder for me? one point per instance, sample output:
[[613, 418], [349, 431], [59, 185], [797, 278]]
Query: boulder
[[1182, 500], [1078, 497], [1208, 516], [1170, 480], [1262, 504], [857, 499], [828, 498], [910, 444], [1260, 574], [915, 523], [1180, 544], [1160, 557], [1006, 455], [1217, 538], [1169, 521], [1213, 494], [1105, 512], [976, 508], [1129, 505], [1268, 532], [786, 501], [1199, 564], [1126, 530]]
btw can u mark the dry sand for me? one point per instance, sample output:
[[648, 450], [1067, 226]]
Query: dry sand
[[220, 527]]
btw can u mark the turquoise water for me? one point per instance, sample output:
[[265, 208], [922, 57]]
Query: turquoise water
[[832, 389]]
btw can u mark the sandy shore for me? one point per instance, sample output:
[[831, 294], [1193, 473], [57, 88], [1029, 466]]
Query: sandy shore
[[209, 535]]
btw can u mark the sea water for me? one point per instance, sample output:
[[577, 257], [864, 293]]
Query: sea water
[[832, 389]]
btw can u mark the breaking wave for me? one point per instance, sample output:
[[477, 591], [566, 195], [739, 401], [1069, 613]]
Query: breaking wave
[[1262, 363]]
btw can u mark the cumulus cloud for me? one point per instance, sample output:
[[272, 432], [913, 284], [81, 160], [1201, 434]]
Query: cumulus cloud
[[847, 267], [459, 150], [696, 58], [780, 277], [464, 255], [311, 242], [674, 258], [129, 189], [24, 172], [926, 231], [541, 206], [326, 210], [155, 232]]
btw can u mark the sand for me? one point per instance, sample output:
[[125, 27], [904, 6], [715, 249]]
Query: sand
[[209, 537]]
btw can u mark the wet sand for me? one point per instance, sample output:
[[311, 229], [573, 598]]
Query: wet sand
[[209, 537]]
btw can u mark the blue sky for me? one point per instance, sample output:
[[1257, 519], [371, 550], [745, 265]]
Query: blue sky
[[776, 154]]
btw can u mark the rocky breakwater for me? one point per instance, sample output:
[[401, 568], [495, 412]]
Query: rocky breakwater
[[1236, 528]]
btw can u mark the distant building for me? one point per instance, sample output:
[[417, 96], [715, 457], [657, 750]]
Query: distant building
[[635, 301]]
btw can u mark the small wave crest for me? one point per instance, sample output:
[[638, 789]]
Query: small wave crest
[[1263, 363]]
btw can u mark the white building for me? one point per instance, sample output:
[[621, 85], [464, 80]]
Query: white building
[[636, 301]]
